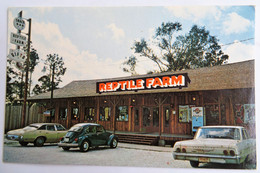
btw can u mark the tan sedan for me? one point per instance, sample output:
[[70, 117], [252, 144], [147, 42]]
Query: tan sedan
[[38, 133]]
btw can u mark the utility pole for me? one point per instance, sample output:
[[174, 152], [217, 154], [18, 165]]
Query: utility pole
[[52, 88], [27, 63]]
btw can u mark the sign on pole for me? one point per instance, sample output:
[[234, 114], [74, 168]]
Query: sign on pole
[[17, 55], [18, 39], [19, 23]]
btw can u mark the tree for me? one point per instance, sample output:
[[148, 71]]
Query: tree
[[54, 65], [171, 52]]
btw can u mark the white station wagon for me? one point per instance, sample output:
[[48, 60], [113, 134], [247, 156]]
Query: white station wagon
[[216, 144]]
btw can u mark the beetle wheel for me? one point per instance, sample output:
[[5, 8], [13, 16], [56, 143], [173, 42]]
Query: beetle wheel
[[84, 147], [114, 143], [39, 142], [66, 148]]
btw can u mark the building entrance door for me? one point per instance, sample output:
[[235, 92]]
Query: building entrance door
[[166, 119], [150, 119], [136, 120]]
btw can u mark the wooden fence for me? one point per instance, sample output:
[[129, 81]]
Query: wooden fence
[[13, 116]]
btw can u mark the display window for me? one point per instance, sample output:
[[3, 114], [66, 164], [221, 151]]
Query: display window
[[63, 113], [122, 113], [104, 113], [89, 114]]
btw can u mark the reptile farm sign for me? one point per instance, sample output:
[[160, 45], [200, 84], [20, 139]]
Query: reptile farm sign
[[147, 83]]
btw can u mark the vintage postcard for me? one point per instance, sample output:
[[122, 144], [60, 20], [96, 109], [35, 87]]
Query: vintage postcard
[[162, 86]]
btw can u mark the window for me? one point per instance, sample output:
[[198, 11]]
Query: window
[[100, 129], [166, 116], [136, 117], [244, 134], [156, 117], [52, 112], [185, 113], [42, 127], [63, 113], [146, 117], [89, 114], [60, 128], [51, 128], [122, 113], [212, 114], [75, 113], [105, 113]]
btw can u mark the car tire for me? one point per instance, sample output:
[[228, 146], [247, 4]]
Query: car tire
[[243, 164], [194, 164], [23, 143], [39, 142], [84, 147], [114, 143], [66, 148]]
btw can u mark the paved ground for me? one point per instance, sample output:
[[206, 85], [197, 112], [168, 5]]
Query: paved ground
[[125, 155]]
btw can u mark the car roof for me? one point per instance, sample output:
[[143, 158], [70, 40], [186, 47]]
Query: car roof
[[40, 124], [222, 127], [87, 124]]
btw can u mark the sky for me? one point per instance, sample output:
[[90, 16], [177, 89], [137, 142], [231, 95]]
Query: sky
[[94, 41]]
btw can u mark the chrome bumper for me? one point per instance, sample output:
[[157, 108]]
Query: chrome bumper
[[212, 158], [14, 137], [68, 145]]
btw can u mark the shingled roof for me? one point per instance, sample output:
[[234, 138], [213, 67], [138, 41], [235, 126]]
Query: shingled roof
[[228, 76]]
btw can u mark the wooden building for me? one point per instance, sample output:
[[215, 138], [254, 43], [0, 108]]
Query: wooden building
[[226, 93]]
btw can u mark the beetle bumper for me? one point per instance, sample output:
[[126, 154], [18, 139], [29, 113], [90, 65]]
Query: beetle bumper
[[207, 158], [71, 145]]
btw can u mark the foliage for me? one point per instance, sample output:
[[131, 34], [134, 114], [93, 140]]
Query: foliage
[[53, 62], [172, 52]]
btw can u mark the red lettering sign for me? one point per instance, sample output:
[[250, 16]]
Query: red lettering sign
[[158, 82]]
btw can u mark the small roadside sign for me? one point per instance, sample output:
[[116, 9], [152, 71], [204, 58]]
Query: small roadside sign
[[18, 39], [16, 55], [19, 23]]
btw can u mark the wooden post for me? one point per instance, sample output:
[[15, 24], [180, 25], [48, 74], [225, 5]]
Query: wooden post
[[26, 75]]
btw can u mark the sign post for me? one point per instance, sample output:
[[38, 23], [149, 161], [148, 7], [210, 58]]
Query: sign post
[[19, 56], [27, 63]]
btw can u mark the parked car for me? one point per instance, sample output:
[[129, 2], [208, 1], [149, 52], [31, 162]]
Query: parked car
[[216, 144], [38, 133], [86, 135]]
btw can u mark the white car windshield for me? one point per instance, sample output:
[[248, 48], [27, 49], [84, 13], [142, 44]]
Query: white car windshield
[[218, 133]]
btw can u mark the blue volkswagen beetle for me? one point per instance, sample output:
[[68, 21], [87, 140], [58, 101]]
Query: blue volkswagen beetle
[[86, 135]]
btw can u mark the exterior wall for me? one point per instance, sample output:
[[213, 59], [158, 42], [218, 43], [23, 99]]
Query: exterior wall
[[218, 106]]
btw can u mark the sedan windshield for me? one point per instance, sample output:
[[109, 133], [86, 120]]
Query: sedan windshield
[[31, 127], [222, 133]]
